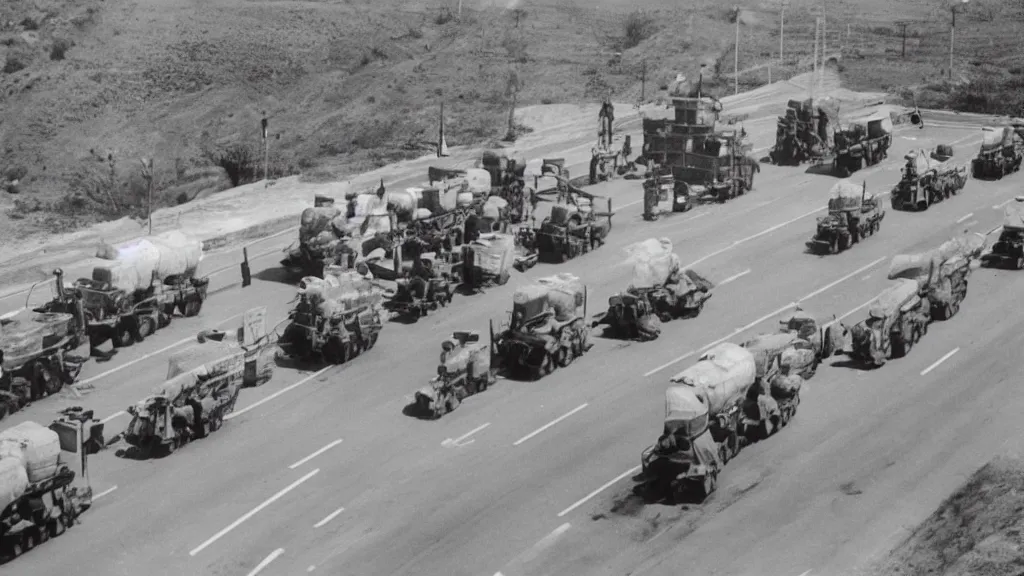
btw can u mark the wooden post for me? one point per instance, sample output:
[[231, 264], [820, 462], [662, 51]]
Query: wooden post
[[266, 153]]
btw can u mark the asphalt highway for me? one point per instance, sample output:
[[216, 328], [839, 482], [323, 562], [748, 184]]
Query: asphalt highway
[[324, 474]]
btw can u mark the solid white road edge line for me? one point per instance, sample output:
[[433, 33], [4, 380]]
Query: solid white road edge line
[[632, 470], [962, 218], [278, 393], [266, 561], [775, 312], [315, 454], [328, 518], [550, 424], [448, 441], [806, 573], [112, 416], [104, 493], [734, 277], [940, 361], [151, 354], [1001, 204], [253, 512]]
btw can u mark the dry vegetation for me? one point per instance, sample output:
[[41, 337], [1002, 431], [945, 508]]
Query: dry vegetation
[[88, 87], [976, 532]]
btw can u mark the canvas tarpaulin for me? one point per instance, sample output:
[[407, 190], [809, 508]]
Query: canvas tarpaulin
[[765, 347], [992, 137], [1013, 216], [172, 253], [493, 253], [13, 481], [845, 195], [721, 376], [35, 446], [566, 295], [894, 298], [915, 266], [684, 411], [653, 262]]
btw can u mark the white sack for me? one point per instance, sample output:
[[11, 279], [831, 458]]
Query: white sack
[[36, 446], [721, 377]]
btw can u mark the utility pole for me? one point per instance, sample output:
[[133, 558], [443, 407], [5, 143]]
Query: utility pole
[[147, 174], [903, 27], [952, 36], [814, 74], [736, 61], [782, 29], [460, 10], [643, 81], [266, 152]]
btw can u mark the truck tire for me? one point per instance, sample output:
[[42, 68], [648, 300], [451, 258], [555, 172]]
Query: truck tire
[[144, 327], [336, 351], [122, 335]]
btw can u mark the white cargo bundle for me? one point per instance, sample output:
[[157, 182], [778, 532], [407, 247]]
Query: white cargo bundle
[[153, 258]]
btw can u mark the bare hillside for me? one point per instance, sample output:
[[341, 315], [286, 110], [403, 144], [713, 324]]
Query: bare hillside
[[976, 532], [90, 87]]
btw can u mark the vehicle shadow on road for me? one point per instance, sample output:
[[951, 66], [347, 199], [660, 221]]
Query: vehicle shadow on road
[[412, 410], [821, 170], [852, 364], [277, 274]]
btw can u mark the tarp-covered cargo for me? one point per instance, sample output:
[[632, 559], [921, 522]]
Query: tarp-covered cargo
[[721, 376], [35, 446], [893, 298], [473, 357], [313, 221], [494, 253], [684, 412], [493, 207], [340, 291], [992, 138], [786, 386], [478, 181], [158, 257], [845, 195], [915, 266], [1013, 217], [13, 481], [653, 262], [765, 347], [207, 359], [564, 293], [21, 341]]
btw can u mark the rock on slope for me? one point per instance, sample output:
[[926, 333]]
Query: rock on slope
[[978, 531]]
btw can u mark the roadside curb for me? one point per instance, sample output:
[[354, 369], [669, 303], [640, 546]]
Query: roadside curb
[[254, 232]]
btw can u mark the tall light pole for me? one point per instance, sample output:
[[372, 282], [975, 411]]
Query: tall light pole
[[952, 35]]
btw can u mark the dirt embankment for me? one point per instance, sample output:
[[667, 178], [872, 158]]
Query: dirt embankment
[[978, 531]]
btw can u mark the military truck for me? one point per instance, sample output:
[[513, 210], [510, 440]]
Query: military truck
[[926, 180], [714, 408], [1000, 153], [708, 165], [896, 321], [572, 229], [852, 214], [37, 347], [335, 319], [659, 292], [942, 273], [38, 496], [1008, 250], [806, 132], [465, 369], [547, 328], [322, 240], [863, 142], [660, 188]]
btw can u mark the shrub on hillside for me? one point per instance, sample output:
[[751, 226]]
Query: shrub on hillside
[[240, 161], [637, 27], [60, 48], [14, 63]]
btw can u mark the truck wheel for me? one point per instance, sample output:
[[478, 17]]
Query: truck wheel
[[564, 357], [1019, 265], [335, 351], [144, 326], [16, 550], [709, 485], [43, 533], [122, 335], [56, 527], [833, 247]]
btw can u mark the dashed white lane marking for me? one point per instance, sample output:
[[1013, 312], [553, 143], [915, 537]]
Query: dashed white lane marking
[[598, 491], [734, 277], [117, 414], [328, 518], [315, 454], [550, 424], [253, 512], [238, 413], [266, 561], [962, 218], [940, 361], [457, 441], [104, 493]]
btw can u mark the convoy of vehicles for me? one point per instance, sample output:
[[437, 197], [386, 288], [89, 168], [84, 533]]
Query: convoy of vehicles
[[732, 396]]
